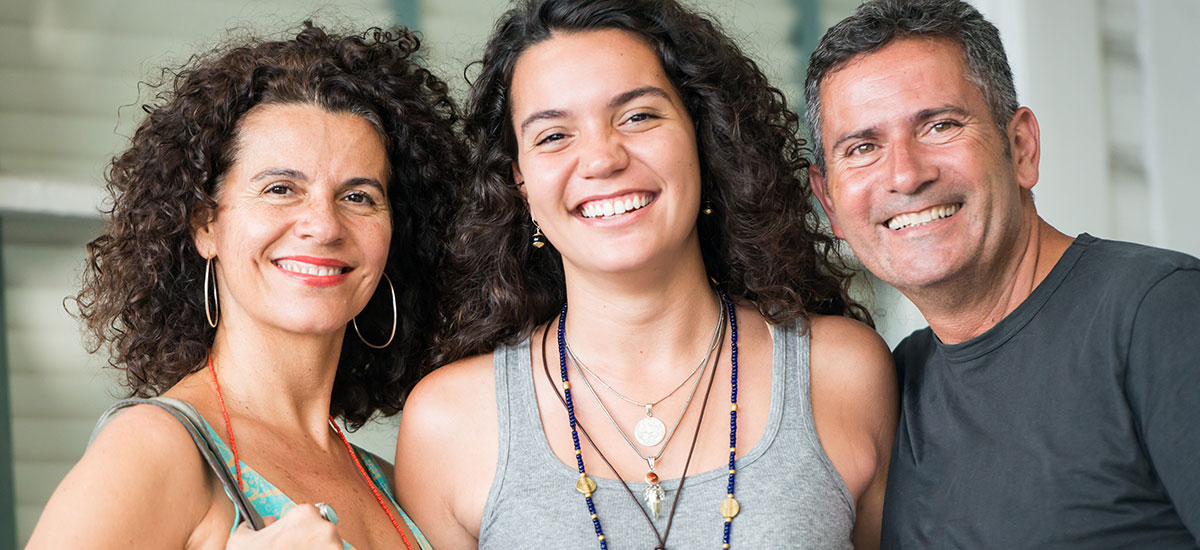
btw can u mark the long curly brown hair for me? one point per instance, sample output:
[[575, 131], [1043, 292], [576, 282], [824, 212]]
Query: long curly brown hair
[[763, 242], [142, 291]]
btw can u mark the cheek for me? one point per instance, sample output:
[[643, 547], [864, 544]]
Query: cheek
[[376, 239], [542, 192]]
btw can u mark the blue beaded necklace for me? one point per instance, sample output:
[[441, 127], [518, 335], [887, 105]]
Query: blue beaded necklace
[[586, 485]]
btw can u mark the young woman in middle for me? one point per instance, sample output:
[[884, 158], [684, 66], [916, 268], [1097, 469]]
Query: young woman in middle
[[650, 341]]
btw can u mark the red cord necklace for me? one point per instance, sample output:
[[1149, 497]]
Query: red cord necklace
[[349, 449]]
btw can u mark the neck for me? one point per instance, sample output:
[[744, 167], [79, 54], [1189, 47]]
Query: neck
[[282, 376], [960, 312], [630, 326]]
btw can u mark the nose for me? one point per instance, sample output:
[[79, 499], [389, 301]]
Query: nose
[[602, 155], [319, 220], [912, 170]]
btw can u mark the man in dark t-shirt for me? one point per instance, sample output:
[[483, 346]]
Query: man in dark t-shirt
[[1054, 399]]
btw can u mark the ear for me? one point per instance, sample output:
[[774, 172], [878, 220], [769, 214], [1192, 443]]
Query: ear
[[1025, 143], [519, 179], [817, 180], [202, 232]]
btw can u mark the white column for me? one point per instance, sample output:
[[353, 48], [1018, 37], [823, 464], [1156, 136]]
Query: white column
[[1169, 54]]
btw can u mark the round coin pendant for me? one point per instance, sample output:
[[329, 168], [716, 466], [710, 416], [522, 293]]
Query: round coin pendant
[[585, 485], [649, 431]]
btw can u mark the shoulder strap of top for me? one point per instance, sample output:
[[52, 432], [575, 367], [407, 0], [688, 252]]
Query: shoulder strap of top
[[192, 421]]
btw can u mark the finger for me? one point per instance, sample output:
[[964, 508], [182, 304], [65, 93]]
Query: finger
[[307, 518]]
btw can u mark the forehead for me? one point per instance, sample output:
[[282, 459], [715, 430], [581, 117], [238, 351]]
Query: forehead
[[896, 81], [309, 139], [284, 128], [583, 66]]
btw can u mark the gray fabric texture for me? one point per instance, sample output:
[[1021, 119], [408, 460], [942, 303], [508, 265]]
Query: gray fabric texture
[[791, 496], [1073, 423]]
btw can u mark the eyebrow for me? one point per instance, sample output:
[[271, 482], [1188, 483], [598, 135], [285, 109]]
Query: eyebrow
[[297, 175], [926, 114], [541, 115], [626, 97], [285, 172], [617, 100], [920, 116], [369, 182]]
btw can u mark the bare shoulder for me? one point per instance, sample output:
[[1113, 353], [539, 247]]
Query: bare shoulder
[[854, 399], [142, 469], [849, 345], [447, 450], [452, 393], [851, 367]]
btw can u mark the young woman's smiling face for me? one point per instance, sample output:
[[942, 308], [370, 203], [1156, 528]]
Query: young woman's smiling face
[[606, 152], [302, 227]]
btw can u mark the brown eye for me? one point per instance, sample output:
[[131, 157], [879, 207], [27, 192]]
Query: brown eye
[[640, 117], [360, 198], [551, 138], [863, 149]]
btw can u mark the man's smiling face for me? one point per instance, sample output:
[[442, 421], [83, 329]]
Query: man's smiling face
[[919, 179]]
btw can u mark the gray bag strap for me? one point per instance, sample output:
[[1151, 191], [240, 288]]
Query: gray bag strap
[[187, 415]]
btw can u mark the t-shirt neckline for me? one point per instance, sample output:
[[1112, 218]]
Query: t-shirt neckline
[[1012, 324]]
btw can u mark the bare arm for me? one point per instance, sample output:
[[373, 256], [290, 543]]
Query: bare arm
[[142, 471], [143, 484], [446, 452], [856, 408]]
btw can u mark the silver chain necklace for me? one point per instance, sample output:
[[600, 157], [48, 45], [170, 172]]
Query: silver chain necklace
[[649, 431], [653, 494]]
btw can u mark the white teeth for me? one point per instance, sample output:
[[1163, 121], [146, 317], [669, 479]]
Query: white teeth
[[308, 269], [609, 208], [911, 219]]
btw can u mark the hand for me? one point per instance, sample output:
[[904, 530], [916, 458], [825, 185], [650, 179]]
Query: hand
[[300, 527]]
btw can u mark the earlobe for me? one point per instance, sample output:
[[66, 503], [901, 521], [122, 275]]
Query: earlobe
[[817, 180], [1024, 139], [202, 235]]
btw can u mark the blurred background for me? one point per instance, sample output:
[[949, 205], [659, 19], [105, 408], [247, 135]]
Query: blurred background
[[1113, 83]]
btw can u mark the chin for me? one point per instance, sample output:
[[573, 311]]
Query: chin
[[313, 323], [916, 277]]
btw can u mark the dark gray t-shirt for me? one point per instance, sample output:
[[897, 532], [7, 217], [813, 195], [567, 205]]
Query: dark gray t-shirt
[[1073, 423]]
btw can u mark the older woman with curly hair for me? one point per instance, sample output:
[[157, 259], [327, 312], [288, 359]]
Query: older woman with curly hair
[[270, 266], [711, 383]]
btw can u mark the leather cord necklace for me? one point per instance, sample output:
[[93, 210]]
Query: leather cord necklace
[[653, 493], [660, 537]]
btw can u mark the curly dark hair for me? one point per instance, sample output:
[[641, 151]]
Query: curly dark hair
[[142, 286], [763, 242]]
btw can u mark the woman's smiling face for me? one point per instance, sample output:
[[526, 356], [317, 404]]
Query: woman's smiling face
[[302, 228], [606, 151]]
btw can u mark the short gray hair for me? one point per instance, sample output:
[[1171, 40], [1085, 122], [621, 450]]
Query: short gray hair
[[877, 23]]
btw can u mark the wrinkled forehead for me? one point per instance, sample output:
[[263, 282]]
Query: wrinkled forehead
[[895, 82]]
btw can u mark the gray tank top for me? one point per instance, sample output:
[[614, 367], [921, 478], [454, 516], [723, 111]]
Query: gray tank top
[[791, 496]]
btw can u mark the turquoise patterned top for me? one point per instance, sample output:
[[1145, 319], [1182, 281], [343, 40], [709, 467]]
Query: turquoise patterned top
[[271, 502]]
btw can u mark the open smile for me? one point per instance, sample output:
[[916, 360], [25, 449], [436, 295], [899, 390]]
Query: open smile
[[929, 215], [613, 207], [313, 271]]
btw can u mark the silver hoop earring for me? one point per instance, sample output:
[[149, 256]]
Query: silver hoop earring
[[216, 298], [394, 319]]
